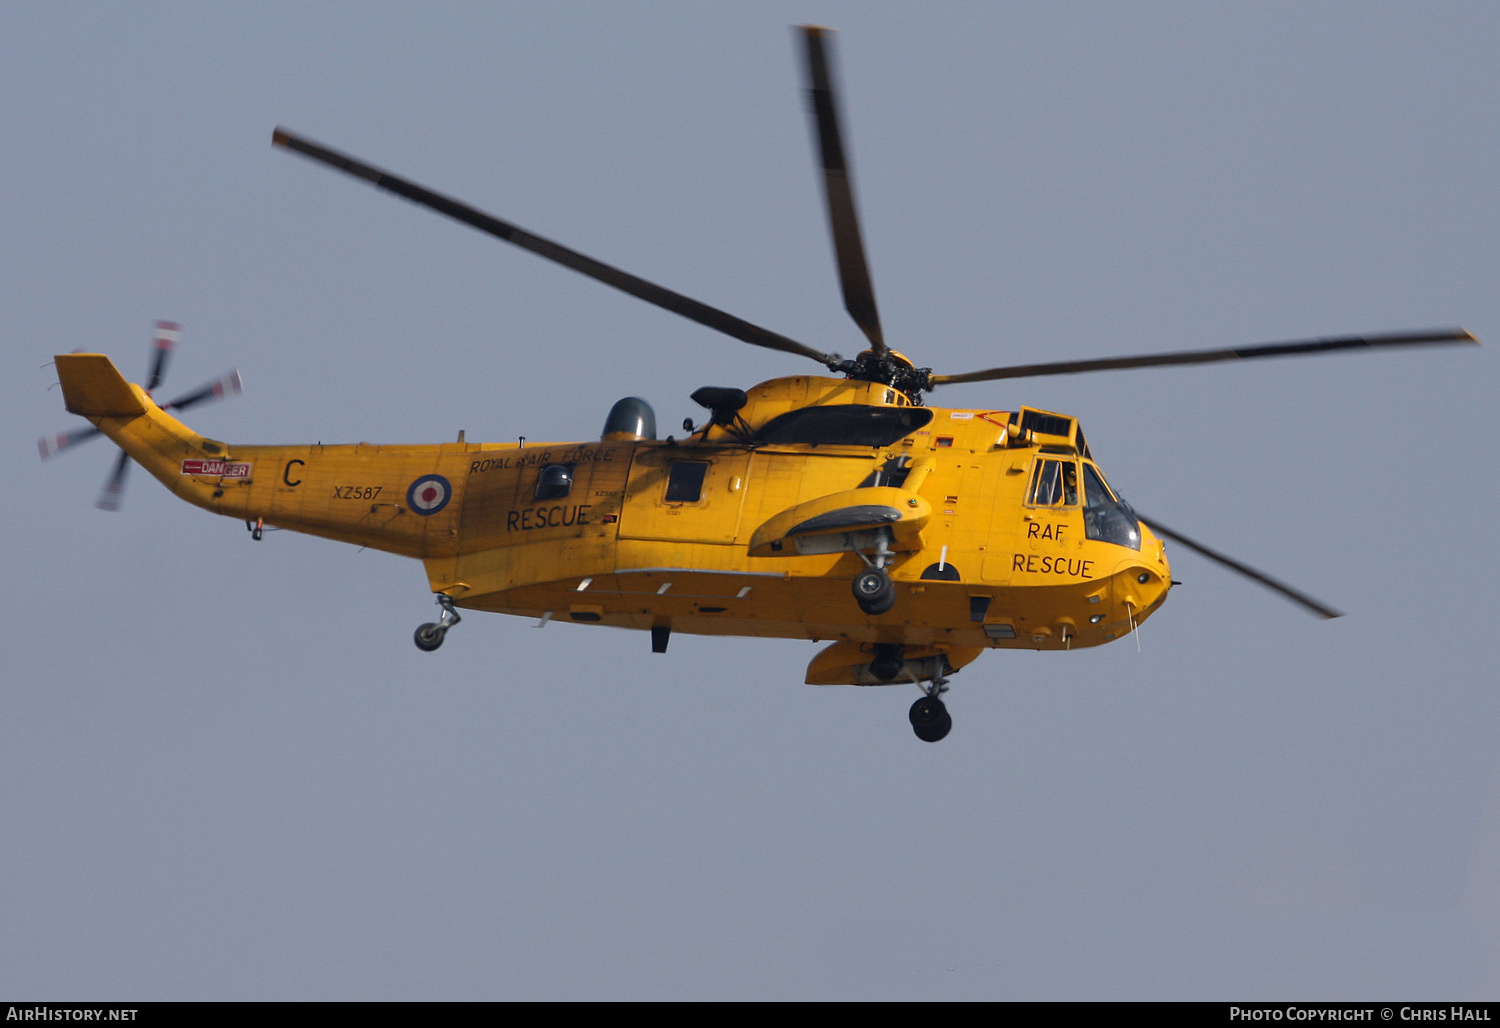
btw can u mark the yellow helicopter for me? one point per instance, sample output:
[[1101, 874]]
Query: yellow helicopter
[[957, 530]]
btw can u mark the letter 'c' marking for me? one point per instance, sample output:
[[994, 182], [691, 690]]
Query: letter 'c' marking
[[286, 475]]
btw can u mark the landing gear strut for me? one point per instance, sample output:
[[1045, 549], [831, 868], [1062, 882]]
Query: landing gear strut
[[429, 637], [929, 716]]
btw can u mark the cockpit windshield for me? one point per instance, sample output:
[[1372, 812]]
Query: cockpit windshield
[[1106, 517]]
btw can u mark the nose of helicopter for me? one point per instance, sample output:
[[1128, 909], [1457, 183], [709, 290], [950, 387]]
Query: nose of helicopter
[[1143, 583], [1131, 593]]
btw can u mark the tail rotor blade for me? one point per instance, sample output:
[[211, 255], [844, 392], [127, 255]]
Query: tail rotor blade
[[166, 342], [218, 389], [52, 445], [114, 489], [1296, 596]]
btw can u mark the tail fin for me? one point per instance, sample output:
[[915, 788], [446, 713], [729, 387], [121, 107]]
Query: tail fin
[[143, 430], [93, 386]]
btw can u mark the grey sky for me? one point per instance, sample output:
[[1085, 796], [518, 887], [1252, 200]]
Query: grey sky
[[225, 772]]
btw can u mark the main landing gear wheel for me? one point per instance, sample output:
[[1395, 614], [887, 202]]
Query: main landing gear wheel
[[929, 716], [430, 636], [874, 591], [930, 719]]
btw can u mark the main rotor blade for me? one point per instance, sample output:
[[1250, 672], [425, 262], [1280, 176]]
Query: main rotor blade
[[224, 385], [1306, 601], [838, 190], [166, 342], [598, 270], [1438, 337], [114, 488], [52, 445]]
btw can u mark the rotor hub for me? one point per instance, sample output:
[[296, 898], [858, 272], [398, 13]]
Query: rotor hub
[[889, 368]]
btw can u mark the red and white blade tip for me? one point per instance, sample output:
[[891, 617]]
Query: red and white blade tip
[[51, 444], [166, 334]]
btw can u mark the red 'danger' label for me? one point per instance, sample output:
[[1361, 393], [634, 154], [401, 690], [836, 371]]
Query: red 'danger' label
[[216, 468]]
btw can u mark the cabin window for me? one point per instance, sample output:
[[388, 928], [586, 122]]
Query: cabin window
[[555, 482], [1106, 517], [685, 481], [1054, 483]]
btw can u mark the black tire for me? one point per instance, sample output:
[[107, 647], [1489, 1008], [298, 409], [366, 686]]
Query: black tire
[[429, 636], [927, 711], [874, 591], [937, 732], [930, 719]]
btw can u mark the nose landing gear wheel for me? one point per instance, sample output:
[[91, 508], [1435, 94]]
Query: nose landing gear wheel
[[874, 591], [930, 719]]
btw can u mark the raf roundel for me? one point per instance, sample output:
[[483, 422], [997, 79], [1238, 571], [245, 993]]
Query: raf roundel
[[428, 494]]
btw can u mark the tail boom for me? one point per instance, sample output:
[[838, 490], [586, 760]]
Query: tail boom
[[352, 493]]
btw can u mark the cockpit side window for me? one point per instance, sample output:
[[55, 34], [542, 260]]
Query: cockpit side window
[[1054, 483]]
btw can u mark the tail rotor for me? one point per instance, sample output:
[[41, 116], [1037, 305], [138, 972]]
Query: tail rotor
[[164, 343]]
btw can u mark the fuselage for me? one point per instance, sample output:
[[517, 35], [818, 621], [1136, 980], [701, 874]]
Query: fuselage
[[1001, 530]]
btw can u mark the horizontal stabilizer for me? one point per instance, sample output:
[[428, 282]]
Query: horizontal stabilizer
[[93, 386]]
